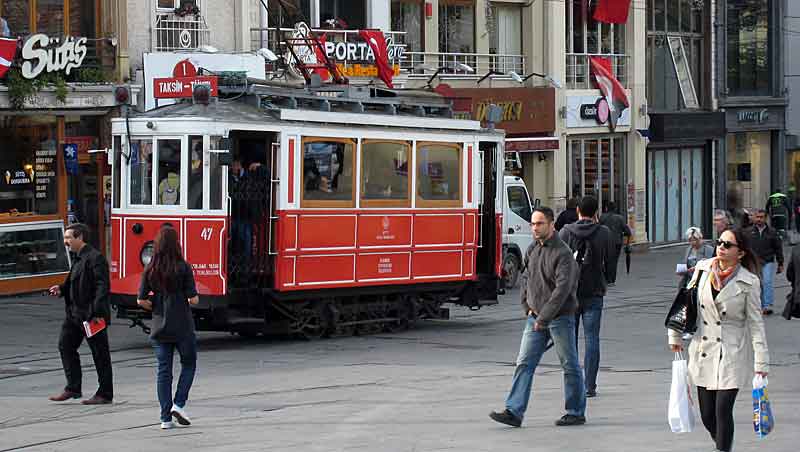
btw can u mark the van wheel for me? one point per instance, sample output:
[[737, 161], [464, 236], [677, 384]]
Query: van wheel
[[511, 266]]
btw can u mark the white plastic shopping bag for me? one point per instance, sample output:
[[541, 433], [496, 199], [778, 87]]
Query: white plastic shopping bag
[[681, 407]]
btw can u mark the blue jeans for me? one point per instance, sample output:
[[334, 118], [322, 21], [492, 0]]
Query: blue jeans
[[767, 289], [187, 348], [592, 315], [533, 346]]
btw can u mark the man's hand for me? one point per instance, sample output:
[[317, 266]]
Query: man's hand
[[55, 291], [763, 374], [537, 326], [676, 348], [145, 304], [780, 268]]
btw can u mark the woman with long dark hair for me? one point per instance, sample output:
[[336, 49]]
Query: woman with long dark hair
[[729, 314], [167, 288]]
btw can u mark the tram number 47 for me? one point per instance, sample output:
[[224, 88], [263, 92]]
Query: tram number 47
[[207, 233]]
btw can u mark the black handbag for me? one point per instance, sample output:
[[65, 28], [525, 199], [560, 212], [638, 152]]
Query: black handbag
[[682, 316]]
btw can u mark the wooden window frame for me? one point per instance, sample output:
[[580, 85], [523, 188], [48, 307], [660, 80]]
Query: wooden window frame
[[386, 202], [426, 203], [324, 204], [32, 16]]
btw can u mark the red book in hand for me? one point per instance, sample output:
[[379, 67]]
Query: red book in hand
[[93, 326]]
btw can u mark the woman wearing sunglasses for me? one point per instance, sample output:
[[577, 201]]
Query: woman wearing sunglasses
[[729, 312]]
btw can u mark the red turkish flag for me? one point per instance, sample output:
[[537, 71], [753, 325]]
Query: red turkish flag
[[8, 50], [612, 11], [319, 54], [377, 43], [612, 89]]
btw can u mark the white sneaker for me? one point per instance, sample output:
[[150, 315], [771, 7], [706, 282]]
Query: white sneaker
[[180, 415], [167, 425]]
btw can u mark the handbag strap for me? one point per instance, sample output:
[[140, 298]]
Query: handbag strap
[[696, 281]]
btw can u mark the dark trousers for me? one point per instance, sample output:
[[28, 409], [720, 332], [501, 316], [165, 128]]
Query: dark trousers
[[165, 351], [613, 261], [797, 221], [72, 336], [716, 410]]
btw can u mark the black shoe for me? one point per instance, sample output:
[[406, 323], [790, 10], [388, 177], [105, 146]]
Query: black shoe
[[569, 419], [506, 417], [591, 394], [767, 311]]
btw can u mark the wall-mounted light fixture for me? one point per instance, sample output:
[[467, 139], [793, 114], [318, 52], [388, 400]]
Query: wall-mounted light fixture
[[562, 112]]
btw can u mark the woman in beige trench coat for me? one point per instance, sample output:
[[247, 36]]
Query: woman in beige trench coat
[[729, 315]]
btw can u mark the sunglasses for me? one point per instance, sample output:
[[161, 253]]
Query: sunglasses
[[725, 244]]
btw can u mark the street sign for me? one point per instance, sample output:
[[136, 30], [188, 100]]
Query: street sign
[[181, 84]]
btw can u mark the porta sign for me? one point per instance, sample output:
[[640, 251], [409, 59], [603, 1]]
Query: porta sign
[[42, 53], [181, 84]]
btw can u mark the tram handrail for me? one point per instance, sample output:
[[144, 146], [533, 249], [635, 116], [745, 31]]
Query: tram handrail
[[274, 183], [481, 194]]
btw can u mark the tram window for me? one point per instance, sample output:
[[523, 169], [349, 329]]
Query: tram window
[[196, 172], [141, 163], [328, 172], [438, 175], [169, 172], [384, 173], [215, 177], [115, 169]]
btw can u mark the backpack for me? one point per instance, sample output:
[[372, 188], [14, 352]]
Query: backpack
[[583, 256]]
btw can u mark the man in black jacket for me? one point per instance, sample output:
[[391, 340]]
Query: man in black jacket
[[619, 229], [768, 246], [568, 216], [590, 242], [85, 292]]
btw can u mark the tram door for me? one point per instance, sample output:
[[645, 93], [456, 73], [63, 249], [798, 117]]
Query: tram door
[[487, 233], [250, 189]]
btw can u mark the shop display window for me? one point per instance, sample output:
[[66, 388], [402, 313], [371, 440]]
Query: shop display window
[[28, 166], [32, 249]]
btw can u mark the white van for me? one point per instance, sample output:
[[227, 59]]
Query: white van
[[517, 235]]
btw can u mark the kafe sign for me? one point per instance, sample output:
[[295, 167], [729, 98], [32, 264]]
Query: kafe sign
[[42, 53]]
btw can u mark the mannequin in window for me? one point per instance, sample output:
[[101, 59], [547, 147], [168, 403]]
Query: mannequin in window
[[169, 186]]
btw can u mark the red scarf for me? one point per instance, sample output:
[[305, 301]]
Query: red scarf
[[719, 277]]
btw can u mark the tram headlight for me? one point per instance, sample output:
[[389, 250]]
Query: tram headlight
[[146, 255]]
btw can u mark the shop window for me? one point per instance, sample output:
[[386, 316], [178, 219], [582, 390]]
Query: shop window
[[407, 15], [116, 178], [50, 17], [16, 14], [519, 203], [82, 17], [196, 172], [675, 52], [586, 37], [215, 176], [169, 172], [384, 173], [174, 4], [328, 176], [749, 47], [597, 168], [32, 249], [141, 164], [457, 26], [438, 175], [344, 14], [287, 13], [28, 168]]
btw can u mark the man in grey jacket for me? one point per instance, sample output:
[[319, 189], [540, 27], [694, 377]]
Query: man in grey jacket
[[548, 297]]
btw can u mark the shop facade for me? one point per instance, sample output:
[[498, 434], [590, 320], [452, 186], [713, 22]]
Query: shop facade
[[53, 170], [679, 172]]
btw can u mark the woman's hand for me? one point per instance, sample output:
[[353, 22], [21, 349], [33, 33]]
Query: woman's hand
[[194, 301], [145, 304], [763, 374], [676, 348]]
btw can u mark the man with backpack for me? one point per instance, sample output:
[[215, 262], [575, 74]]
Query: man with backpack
[[591, 245]]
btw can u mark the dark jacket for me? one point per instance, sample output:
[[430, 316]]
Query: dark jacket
[[767, 245], [566, 217], [250, 194], [792, 307], [594, 270], [617, 226], [550, 280], [172, 315], [85, 290]]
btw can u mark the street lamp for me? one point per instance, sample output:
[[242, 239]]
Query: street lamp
[[519, 79], [489, 74], [452, 65]]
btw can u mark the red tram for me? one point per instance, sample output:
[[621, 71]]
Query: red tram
[[311, 212]]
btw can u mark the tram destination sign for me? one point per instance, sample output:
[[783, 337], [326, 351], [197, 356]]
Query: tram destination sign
[[181, 84]]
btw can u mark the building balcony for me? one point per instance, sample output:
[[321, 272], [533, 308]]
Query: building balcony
[[176, 33], [578, 69]]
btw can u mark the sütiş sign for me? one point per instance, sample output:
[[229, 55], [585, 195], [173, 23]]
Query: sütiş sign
[[42, 53]]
